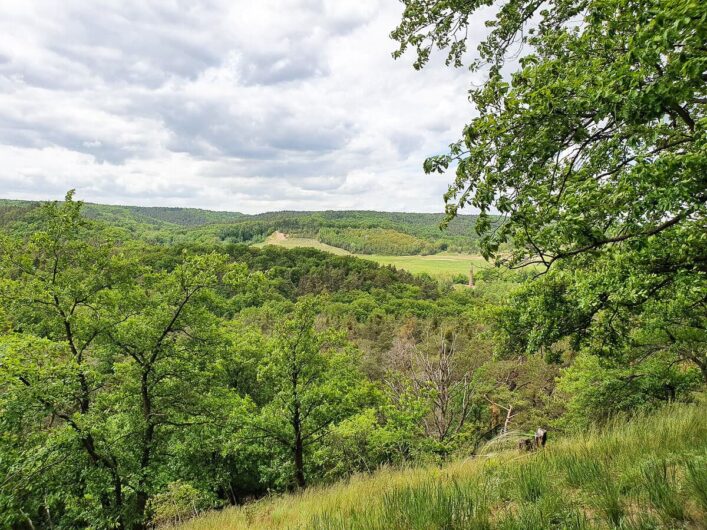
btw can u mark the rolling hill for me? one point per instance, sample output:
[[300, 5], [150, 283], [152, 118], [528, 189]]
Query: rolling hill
[[359, 232]]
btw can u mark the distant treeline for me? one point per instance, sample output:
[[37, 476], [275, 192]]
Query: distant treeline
[[364, 232]]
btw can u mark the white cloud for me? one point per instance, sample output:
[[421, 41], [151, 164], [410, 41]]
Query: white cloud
[[248, 106]]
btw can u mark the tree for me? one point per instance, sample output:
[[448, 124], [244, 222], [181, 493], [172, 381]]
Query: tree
[[315, 384], [53, 290], [108, 366], [438, 371], [165, 341], [593, 149]]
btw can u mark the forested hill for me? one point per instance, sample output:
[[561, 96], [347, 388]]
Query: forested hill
[[366, 232], [153, 215]]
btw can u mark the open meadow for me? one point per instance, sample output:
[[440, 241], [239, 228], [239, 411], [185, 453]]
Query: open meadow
[[442, 265]]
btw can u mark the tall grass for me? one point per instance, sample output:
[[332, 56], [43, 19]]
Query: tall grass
[[661, 484], [608, 499], [452, 506], [697, 479], [649, 472]]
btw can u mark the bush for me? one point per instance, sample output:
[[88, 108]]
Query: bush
[[180, 502], [596, 389]]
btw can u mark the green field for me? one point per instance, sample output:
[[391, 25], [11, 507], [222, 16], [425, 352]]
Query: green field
[[442, 265], [439, 265]]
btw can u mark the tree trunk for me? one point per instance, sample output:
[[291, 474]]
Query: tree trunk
[[142, 496], [299, 465], [702, 365], [298, 450], [118, 496], [298, 447], [140, 507], [508, 419]]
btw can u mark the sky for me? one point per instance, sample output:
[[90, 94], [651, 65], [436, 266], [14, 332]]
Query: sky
[[246, 106]]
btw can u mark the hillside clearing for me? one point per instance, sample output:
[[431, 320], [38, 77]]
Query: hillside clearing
[[283, 240], [646, 473], [443, 265]]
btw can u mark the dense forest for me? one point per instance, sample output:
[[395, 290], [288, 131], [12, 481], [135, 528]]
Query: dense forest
[[375, 241]]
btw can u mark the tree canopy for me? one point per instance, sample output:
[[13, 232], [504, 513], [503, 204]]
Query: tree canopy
[[589, 140]]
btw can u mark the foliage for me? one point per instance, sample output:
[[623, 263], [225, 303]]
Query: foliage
[[153, 365], [375, 241], [595, 390], [180, 502], [315, 384], [107, 369], [414, 233], [593, 151]]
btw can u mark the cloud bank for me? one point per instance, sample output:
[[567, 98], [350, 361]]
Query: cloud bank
[[231, 105]]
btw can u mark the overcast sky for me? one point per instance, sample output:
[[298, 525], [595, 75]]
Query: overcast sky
[[233, 105]]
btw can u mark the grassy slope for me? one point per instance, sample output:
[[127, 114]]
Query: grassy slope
[[294, 242], [439, 265], [648, 473]]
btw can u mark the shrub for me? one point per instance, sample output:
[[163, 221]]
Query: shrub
[[180, 502]]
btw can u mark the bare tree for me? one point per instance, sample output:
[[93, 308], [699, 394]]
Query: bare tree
[[451, 387]]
